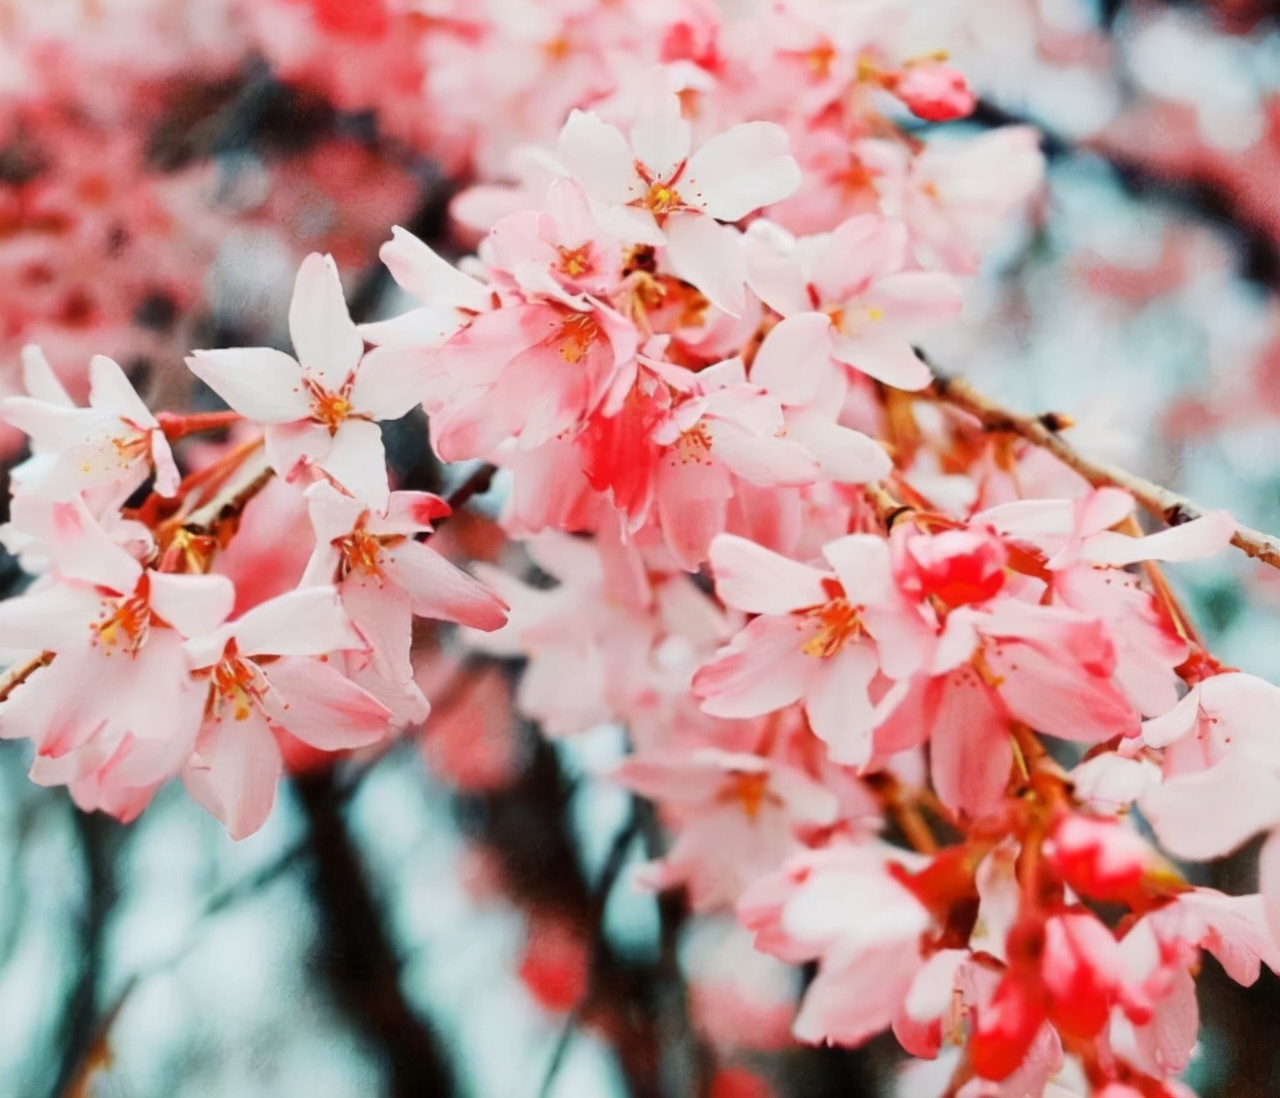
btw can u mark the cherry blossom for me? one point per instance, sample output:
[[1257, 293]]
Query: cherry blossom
[[321, 409], [847, 298], [650, 190], [115, 443], [262, 675]]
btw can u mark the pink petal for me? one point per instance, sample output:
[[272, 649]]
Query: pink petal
[[312, 700], [886, 359], [307, 622], [915, 302], [257, 382], [292, 447], [795, 358], [39, 380], [839, 708], [324, 337], [709, 255], [1269, 882], [760, 671], [80, 548], [111, 391], [168, 479], [1209, 814], [193, 605], [860, 250], [861, 563], [1193, 540], [741, 170], [854, 998], [423, 274], [235, 773], [763, 459], [661, 135], [438, 589], [54, 619], [843, 453], [358, 462], [969, 746], [760, 581], [381, 613], [692, 503], [599, 158], [389, 382], [776, 278]]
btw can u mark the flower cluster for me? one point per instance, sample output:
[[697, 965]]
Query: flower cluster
[[893, 677]]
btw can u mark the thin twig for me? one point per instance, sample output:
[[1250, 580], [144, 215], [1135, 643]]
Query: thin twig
[[1044, 431]]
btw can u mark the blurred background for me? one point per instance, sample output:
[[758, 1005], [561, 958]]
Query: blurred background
[[453, 916]]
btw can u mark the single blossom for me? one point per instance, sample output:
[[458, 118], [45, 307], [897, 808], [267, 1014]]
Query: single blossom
[[115, 443], [848, 298], [266, 672], [649, 189], [821, 637], [322, 408], [385, 576]]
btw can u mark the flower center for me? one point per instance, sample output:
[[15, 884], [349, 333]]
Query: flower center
[[662, 199], [694, 445], [123, 624], [838, 623], [748, 789], [329, 408], [236, 684], [576, 336], [575, 262], [360, 553]]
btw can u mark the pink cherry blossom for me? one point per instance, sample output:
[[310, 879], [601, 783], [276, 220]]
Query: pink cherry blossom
[[821, 637], [115, 713], [847, 298], [115, 443], [385, 576], [738, 817], [262, 675], [321, 409], [650, 190]]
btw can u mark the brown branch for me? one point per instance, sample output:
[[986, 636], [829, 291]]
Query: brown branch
[[358, 957], [1045, 430], [16, 676]]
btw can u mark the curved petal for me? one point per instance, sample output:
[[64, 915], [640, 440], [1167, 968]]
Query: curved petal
[[307, 622], [324, 336], [358, 462], [315, 702], [763, 669], [861, 563], [438, 589], [710, 256], [259, 383], [1206, 815], [599, 158], [741, 170], [389, 382], [859, 250], [433, 280], [660, 137], [839, 708], [760, 581], [889, 360], [795, 358], [235, 773], [193, 605], [111, 391]]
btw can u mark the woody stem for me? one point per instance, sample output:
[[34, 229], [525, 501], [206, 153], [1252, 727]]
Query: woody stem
[[1045, 430]]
